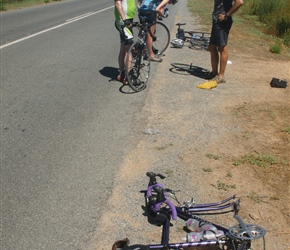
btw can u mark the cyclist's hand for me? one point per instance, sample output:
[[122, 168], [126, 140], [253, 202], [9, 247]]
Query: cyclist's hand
[[127, 23]]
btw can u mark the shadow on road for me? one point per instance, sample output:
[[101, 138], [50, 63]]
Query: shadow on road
[[191, 69], [110, 72]]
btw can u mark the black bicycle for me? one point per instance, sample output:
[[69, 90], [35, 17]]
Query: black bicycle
[[161, 211], [197, 39], [137, 66]]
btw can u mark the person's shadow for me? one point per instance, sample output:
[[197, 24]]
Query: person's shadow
[[112, 74]]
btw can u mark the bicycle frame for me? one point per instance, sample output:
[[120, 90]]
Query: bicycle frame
[[197, 39], [156, 198]]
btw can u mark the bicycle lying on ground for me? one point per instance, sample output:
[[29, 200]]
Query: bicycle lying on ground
[[161, 210], [137, 68], [198, 40], [180, 68]]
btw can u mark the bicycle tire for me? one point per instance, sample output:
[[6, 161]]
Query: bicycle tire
[[199, 44], [137, 66], [189, 68], [161, 38]]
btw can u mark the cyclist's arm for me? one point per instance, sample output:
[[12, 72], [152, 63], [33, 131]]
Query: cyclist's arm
[[119, 7], [236, 6], [161, 6]]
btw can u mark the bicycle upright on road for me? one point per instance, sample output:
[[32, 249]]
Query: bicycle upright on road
[[138, 61]]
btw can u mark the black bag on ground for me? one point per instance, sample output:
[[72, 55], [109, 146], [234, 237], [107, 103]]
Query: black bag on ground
[[277, 83]]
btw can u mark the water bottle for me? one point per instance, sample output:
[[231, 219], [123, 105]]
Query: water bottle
[[128, 33], [193, 237], [207, 227], [195, 37], [193, 225], [212, 235]]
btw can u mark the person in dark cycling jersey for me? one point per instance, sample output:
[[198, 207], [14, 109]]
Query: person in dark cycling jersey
[[148, 11], [125, 11], [221, 25]]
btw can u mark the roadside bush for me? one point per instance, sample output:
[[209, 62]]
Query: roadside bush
[[286, 38], [250, 7], [276, 48], [274, 13]]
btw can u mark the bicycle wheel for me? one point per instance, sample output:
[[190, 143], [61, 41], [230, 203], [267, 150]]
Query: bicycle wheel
[[183, 66], [199, 44], [191, 69], [161, 38], [137, 66]]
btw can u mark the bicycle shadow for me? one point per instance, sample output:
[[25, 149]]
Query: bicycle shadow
[[192, 70], [112, 73]]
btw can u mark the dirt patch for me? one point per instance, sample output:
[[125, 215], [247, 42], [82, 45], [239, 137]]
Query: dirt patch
[[233, 139]]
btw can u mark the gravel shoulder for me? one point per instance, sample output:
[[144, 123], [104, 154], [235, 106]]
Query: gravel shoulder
[[195, 124]]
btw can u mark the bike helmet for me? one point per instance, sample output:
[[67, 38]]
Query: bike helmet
[[177, 43]]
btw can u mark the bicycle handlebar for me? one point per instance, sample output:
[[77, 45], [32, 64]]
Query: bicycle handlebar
[[153, 185], [161, 198]]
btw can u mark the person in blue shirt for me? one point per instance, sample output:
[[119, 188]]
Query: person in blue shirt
[[148, 11]]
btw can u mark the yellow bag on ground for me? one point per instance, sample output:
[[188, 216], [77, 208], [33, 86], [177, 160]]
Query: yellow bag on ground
[[207, 85]]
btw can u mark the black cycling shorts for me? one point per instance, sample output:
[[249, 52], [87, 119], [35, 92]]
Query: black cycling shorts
[[123, 38], [147, 16], [220, 33]]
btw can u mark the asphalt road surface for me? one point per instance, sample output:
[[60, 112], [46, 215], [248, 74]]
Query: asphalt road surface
[[65, 126]]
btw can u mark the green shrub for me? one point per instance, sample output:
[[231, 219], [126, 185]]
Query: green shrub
[[276, 48], [250, 7], [283, 26], [274, 13]]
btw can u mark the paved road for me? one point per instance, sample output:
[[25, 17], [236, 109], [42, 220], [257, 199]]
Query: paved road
[[64, 125]]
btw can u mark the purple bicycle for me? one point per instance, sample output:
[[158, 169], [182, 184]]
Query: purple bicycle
[[201, 233]]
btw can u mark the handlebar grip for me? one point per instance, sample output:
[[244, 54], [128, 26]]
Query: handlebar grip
[[150, 188], [160, 194], [156, 208]]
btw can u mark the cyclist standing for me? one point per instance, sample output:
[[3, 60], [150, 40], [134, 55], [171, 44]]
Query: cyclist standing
[[125, 11], [148, 11]]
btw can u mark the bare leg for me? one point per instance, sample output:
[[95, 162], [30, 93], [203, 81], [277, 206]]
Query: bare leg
[[149, 40], [121, 57], [214, 58], [223, 60], [122, 61]]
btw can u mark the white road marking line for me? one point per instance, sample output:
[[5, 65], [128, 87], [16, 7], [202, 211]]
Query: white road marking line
[[55, 27]]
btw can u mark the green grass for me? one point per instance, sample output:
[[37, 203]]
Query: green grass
[[256, 198], [212, 156], [276, 48], [224, 186], [261, 161], [254, 30], [287, 130], [207, 170]]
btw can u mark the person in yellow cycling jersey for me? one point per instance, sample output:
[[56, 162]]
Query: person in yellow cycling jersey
[[125, 11]]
